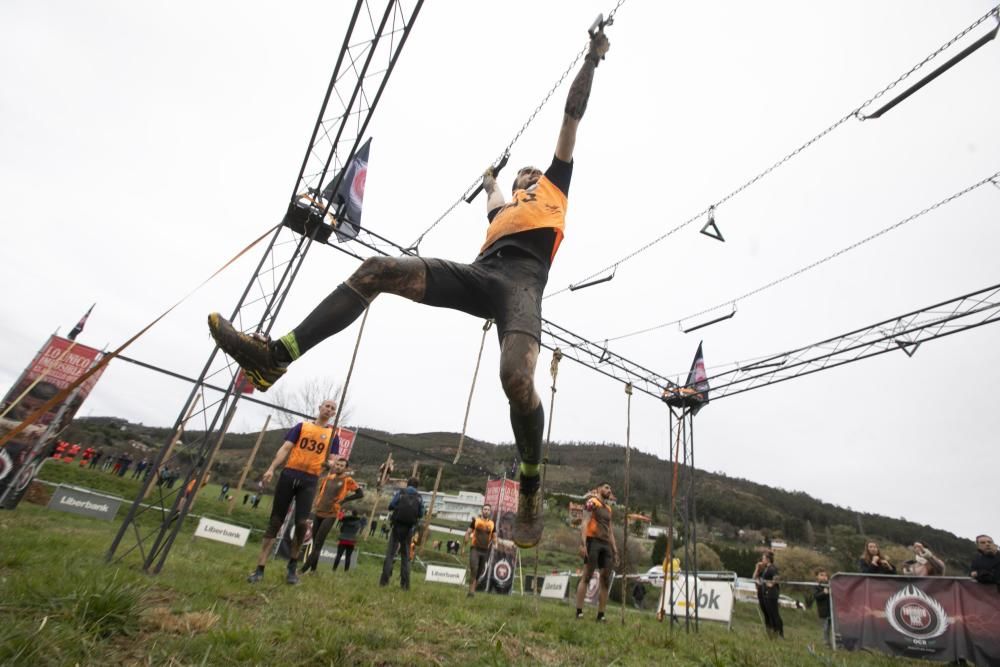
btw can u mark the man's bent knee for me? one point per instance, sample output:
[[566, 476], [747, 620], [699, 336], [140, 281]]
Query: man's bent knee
[[519, 386], [403, 276]]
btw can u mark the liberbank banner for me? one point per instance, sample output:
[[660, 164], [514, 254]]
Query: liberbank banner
[[222, 532], [946, 619], [77, 501]]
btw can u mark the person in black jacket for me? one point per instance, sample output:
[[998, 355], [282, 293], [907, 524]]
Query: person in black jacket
[[768, 590], [406, 509], [350, 527], [985, 566], [821, 596], [873, 562]]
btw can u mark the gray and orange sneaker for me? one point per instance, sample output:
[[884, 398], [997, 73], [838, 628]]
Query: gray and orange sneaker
[[530, 522], [252, 353]]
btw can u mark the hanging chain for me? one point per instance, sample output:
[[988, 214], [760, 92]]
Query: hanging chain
[[531, 118], [854, 113]]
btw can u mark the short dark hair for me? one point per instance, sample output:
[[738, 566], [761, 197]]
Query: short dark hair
[[769, 555], [820, 571], [413, 481], [989, 537]]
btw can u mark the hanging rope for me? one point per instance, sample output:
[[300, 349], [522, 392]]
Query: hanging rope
[[350, 371], [668, 559], [557, 356], [628, 468], [468, 405]]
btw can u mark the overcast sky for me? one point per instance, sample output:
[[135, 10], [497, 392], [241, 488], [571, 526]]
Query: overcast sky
[[143, 144]]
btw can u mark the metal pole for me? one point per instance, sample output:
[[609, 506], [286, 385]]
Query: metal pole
[[430, 511], [694, 517], [628, 467], [183, 510], [249, 464], [178, 432]]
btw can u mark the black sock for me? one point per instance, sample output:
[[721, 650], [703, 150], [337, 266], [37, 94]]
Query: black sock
[[528, 431], [579, 612], [600, 615], [260, 569], [292, 564], [334, 313]]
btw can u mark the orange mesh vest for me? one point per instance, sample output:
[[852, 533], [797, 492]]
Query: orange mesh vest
[[544, 206], [310, 452]]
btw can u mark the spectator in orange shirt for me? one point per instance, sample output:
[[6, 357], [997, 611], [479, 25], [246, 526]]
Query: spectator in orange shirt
[[336, 488]]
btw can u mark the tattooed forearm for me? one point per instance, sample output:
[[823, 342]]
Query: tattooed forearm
[[579, 92]]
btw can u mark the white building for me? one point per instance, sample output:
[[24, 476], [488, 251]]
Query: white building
[[463, 506]]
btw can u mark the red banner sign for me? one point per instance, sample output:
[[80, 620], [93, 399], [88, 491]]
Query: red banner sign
[[945, 619], [347, 437], [60, 363]]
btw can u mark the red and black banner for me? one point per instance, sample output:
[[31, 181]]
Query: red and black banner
[[945, 619], [59, 363]]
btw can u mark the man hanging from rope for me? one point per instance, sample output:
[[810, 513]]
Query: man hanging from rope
[[505, 283]]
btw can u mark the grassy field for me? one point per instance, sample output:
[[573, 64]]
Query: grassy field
[[60, 604]]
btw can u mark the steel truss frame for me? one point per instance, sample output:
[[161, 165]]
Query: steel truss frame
[[682, 488], [903, 333], [371, 46]]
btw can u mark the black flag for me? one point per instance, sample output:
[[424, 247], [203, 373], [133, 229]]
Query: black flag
[[79, 325], [698, 381], [346, 201]]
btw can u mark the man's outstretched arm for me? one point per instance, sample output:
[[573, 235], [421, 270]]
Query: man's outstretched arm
[[579, 94], [494, 197]]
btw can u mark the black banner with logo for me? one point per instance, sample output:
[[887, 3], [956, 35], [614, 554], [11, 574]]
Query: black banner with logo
[[945, 619]]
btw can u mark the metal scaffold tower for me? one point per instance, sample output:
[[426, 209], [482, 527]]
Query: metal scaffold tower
[[373, 41]]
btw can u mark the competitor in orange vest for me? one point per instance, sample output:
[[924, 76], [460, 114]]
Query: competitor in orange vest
[[598, 549], [308, 447], [505, 283], [482, 530], [336, 488]]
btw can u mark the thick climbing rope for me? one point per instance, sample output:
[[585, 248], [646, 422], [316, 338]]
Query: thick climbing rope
[[557, 356], [472, 389], [628, 468]]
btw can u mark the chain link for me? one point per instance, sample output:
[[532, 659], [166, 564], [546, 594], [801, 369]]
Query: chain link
[[854, 113], [524, 126], [809, 267]]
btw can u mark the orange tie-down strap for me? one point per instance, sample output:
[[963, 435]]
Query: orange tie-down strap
[[62, 395]]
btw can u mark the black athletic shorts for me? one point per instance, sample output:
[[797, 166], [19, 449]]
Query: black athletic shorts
[[599, 553], [292, 485], [506, 286]]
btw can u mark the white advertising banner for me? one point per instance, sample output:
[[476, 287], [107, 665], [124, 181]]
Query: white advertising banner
[[554, 586], [714, 603], [445, 575], [222, 532]]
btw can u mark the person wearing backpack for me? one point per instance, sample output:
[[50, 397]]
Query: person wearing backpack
[[406, 509]]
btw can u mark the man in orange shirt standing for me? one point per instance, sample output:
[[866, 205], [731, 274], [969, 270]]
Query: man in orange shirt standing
[[598, 549], [307, 448], [504, 283], [336, 488], [482, 530]]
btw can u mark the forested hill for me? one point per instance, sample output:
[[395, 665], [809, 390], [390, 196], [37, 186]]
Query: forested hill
[[730, 510]]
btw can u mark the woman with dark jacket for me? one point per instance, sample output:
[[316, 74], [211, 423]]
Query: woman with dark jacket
[[766, 576], [873, 562]]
